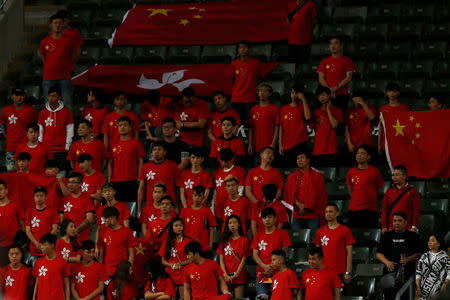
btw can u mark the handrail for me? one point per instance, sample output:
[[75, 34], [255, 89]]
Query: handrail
[[408, 285], [2, 5]]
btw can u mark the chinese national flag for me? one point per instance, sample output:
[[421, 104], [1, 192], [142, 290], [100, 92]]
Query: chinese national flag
[[203, 23], [420, 140]]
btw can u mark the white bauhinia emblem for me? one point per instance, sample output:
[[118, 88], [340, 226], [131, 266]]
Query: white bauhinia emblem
[[188, 184], [219, 182], [171, 78], [35, 222], [150, 175], [103, 220], [227, 211], [48, 121], [262, 245], [173, 252], [183, 116], [228, 250], [84, 187], [43, 271], [324, 240], [275, 283], [9, 281], [88, 117], [152, 218], [12, 119], [68, 206], [65, 253], [80, 277]]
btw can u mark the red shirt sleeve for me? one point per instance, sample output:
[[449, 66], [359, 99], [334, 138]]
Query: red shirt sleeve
[[379, 182], [217, 270], [349, 240], [276, 112], [211, 219], [136, 123], [293, 282], [321, 68], [140, 149], [317, 237], [335, 281], [286, 239]]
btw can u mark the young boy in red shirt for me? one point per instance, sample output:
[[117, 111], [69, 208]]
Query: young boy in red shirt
[[52, 272], [92, 179], [199, 220], [221, 112], [196, 175], [16, 279], [77, 206], [95, 111], [284, 285], [228, 140], [153, 111], [11, 218], [325, 120], [14, 118], [126, 160], [88, 276], [22, 163], [235, 204], [116, 242], [158, 229], [263, 122]]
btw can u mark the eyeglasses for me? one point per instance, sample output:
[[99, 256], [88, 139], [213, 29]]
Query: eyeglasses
[[73, 182], [168, 127]]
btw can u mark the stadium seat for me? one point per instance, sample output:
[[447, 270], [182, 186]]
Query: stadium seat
[[364, 287], [311, 86], [441, 70], [377, 87], [360, 66], [345, 31], [299, 269], [150, 55], [337, 190], [117, 3], [350, 14], [439, 31], [434, 206], [218, 54], [438, 189], [443, 14], [261, 52], [89, 55], [328, 173], [351, 298], [396, 49], [418, 13], [250, 289], [437, 87], [373, 32], [81, 18], [406, 32], [32, 75], [432, 49], [341, 175], [367, 237], [369, 270], [184, 54], [300, 237], [417, 104], [251, 270], [98, 35], [416, 69], [429, 223], [383, 14], [132, 207], [116, 55], [279, 88], [412, 87], [33, 93], [324, 14], [362, 50], [280, 52], [299, 255], [307, 71], [109, 17], [360, 255], [284, 71], [83, 4], [80, 68], [386, 69], [320, 50]]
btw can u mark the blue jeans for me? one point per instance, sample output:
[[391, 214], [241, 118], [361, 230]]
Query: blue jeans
[[300, 223], [9, 161], [66, 90], [262, 288]]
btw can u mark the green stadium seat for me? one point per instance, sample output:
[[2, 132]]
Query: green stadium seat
[[33, 93], [351, 298], [311, 86], [116, 55], [324, 14], [341, 175], [406, 32], [299, 255], [360, 66], [279, 88], [150, 55], [251, 270], [109, 17], [430, 223], [438, 189], [98, 35], [432, 49], [362, 50], [417, 69], [81, 18], [80, 68], [439, 31], [320, 50], [441, 69], [418, 13], [83, 4], [340, 205], [299, 269], [417, 104], [350, 14], [383, 14], [377, 87], [328, 173], [218, 54], [373, 32], [133, 208], [386, 69], [344, 31], [434, 206], [261, 51], [89, 55], [360, 255], [300, 237], [367, 237], [438, 87], [184, 54], [363, 287], [32, 75], [369, 270], [443, 14], [280, 52], [282, 72], [337, 190], [117, 3], [412, 87], [307, 71]]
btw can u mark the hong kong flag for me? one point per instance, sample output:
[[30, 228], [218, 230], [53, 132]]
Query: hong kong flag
[[420, 140]]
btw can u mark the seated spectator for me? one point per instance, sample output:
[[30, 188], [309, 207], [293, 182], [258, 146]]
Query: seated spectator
[[177, 150], [436, 102], [293, 135], [191, 115], [263, 122], [94, 111], [23, 162], [68, 246], [221, 112], [18, 281], [161, 285], [92, 179], [157, 231], [228, 140], [284, 285], [123, 286], [12, 218], [154, 110], [14, 118]]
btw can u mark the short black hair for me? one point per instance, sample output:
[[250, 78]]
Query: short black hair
[[366, 148], [51, 163], [159, 144], [55, 16], [440, 98], [316, 250], [245, 43], [193, 247], [217, 93], [334, 205], [440, 239], [400, 214], [226, 154], [108, 185], [48, 238], [87, 245], [401, 168], [111, 211], [54, 89], [77, 175], [124, 119], [270, 191], [120, 93], [14, 246], [63, 13], [322, 89], [98, 94], [169, 120], [393, 86], [188, 92], [308, 154], [299, 87], [167, 198], [3, 183], [154, 97], [360, 93], [198, 151], [268, 211], [24, 156], [33, 126], [266, 148], [40, 189], [336, 38], [199, 189], [83, 157], [231, 119], [87, 122], [279, 252]]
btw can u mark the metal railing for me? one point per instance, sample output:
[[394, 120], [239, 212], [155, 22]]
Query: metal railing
[[408, 286], [2, 5]]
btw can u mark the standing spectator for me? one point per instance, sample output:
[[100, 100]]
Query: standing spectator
[[302, 17], [336, 241], [88, 145], [177, 150], [435, 102], [122, 286], [335, 72], [38, 151], [191, 115], [319, 282], [228, 140], [153, 111], [293, 135], [110, 126], [56, 127], [325, 120], [23, 161], [72, 33], [95, 111], [92, 180], [399, 249], [358, 122], [284, 285], [235, 204], [306, 194], [246, 71], [17, 281], [263, 122], [364, 182], [157, 229], [400, 197], [14, 118], [221, 112], [59, 54], [68, 246], [126, 161]]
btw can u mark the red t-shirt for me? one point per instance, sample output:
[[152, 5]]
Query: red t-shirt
[[92, 183], [263, 119], [124, 213], [76, 38], [188, 180], [39, 156], [282, 285], [325, 141], [233, 252], [130, 291], [333, 243], [156, 114], [359, 125], [96, 116], [10, 217], [15, 122], [76, 210], [335, 70], [257, 178], [154, 230], [198, 111], [293, 126], [151, 213], [65, 250], [95, 148], [196, 224], [202, 279], [265, 243], [216, 117], [51, 274], [221, 192], [164, 285], [40, 223], [236, 144], [124, 155], [116, 243], [177, 255], [57, 57], [319, 284], [364, 185], [246, 75], [280, 210], [300, 30], [110, 125], [166, 172], [16, 283], [54, 125], [409, 204], [86, 278], [389, 108], [240, 207]]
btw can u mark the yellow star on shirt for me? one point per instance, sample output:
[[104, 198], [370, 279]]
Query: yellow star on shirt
[[111, 123], [192, 276], [201, 9], [161, 11], [192, 8], [417, 135], [218, 149], [255, 178], [417, 125], [154, 229], [184, 22], [237, 72], [351, 116], [46, 47], [188, 220], [198, 17], [77, 152], [114, 149], [308, 280], [398, 128], [140, 249], [411, 118], [285, 117]]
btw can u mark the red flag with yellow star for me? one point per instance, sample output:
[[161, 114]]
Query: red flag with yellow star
[[420, 140], [203, 23]]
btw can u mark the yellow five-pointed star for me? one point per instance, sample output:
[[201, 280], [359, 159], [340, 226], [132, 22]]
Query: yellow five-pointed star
[[161, 11], [417, 135], [78, 152], [114, 149], [418, 125], [308, 280], [184, 22], [197, 17], [192, 276], [111, 123], [192, 7], [46, 47], [201, 9], [285, 117], [398, 128], [140, 249], [218, 149], [411, 118]]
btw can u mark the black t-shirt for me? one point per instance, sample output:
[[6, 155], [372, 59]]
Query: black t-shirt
[[176, 150]]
